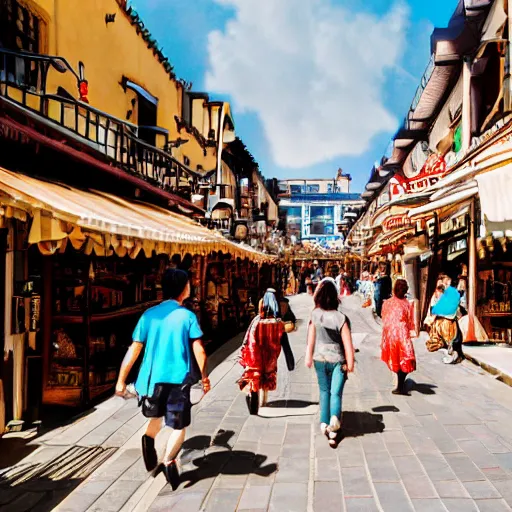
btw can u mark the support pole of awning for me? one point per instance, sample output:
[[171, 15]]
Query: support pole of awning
[[508, 78], [470, 335]]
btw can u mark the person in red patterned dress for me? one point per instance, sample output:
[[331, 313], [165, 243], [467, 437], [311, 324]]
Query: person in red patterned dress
[[397, 347], [260, 352]]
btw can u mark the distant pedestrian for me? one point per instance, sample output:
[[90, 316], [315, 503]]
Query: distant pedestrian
[[383, 287], [397, 347], [318, 273], [171, 337], [331, 351]]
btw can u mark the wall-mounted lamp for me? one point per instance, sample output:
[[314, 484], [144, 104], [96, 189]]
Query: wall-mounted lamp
[[177, 143], [110, 18]]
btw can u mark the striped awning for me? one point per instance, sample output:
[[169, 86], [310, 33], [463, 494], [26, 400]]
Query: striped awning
[[104, 222]]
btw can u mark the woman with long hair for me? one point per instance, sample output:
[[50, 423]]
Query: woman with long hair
[[397, 347], [331, 351], [260, 352]]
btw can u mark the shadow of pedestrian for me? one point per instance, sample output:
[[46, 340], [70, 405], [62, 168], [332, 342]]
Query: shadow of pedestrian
[[234, 462], [386, 408], [424, 389], [358, 424], [291, 404], [221, 439], [223, 460]]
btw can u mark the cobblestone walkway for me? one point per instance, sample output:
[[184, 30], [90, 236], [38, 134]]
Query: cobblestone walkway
[[446, 447]]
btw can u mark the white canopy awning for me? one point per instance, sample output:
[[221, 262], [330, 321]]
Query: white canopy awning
[[451, 199], [495, 189]]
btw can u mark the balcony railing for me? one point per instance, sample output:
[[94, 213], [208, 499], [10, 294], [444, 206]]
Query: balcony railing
[[23, 81]]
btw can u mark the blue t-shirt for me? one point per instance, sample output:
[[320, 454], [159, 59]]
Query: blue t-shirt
[[166, 331]]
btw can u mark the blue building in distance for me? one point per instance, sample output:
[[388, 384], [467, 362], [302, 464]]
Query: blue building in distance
[[315, 209]]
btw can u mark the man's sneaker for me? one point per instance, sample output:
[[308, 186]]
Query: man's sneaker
[[451, 359], [149, 453], [172, 474]]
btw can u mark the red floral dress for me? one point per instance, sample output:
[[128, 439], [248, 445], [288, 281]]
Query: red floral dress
[[260, 351], [397, 347]]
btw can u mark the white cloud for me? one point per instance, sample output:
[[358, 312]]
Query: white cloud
[[314, 73]]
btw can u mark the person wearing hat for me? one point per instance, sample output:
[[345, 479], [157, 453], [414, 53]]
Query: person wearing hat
[[174, 360]]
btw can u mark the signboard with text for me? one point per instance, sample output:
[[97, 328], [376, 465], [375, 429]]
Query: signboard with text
[[396, 222]]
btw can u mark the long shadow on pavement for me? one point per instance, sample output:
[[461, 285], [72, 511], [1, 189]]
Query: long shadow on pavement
[[290, 404], [386, 408], [225, 461], [40, 487]]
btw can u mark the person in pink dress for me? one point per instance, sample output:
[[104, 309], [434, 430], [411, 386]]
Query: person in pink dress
[[397, 347]]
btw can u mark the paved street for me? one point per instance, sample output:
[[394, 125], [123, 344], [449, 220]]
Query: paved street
[[447, 447]]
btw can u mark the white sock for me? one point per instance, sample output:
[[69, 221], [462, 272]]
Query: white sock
[[323, 428]]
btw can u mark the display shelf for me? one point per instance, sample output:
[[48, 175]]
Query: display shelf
[[63, 395], [72, 396], [102, 317], [495, 315]]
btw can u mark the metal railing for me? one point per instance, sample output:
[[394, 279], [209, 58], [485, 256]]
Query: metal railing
[[23, 80]]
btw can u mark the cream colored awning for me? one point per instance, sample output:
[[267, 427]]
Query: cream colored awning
[[104, 222], [495, 188]]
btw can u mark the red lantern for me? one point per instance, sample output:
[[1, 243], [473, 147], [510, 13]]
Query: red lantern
[[83, 89]]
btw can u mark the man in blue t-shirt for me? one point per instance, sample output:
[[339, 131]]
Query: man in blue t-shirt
[[174, 357]]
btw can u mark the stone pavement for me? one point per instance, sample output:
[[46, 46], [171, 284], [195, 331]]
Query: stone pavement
[[446, 447]]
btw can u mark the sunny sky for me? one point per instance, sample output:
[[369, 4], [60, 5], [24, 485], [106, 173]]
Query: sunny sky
[[314, 84]]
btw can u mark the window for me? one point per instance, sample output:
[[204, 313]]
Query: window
[[313, 189], [296, 189], [322, 220], [19, 27], [186, 108], [146, 112]]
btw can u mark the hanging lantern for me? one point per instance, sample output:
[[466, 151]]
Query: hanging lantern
[[83, 89]]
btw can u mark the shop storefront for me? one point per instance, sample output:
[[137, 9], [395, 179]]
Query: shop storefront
[[87, 265]]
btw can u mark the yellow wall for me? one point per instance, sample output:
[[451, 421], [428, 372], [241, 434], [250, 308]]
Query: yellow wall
[[77, 31]]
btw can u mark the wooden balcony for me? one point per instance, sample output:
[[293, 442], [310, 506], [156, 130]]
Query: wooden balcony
[[23, 84]]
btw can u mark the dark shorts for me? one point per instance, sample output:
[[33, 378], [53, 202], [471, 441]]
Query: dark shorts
[[169, 401]]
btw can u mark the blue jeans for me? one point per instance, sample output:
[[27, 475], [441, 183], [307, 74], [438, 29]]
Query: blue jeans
[[331, 380]]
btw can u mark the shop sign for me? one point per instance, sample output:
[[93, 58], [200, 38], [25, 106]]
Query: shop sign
[[396, 222], [453, 223], [35, 312], [431, 173], [426, 255], [456, 248]]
